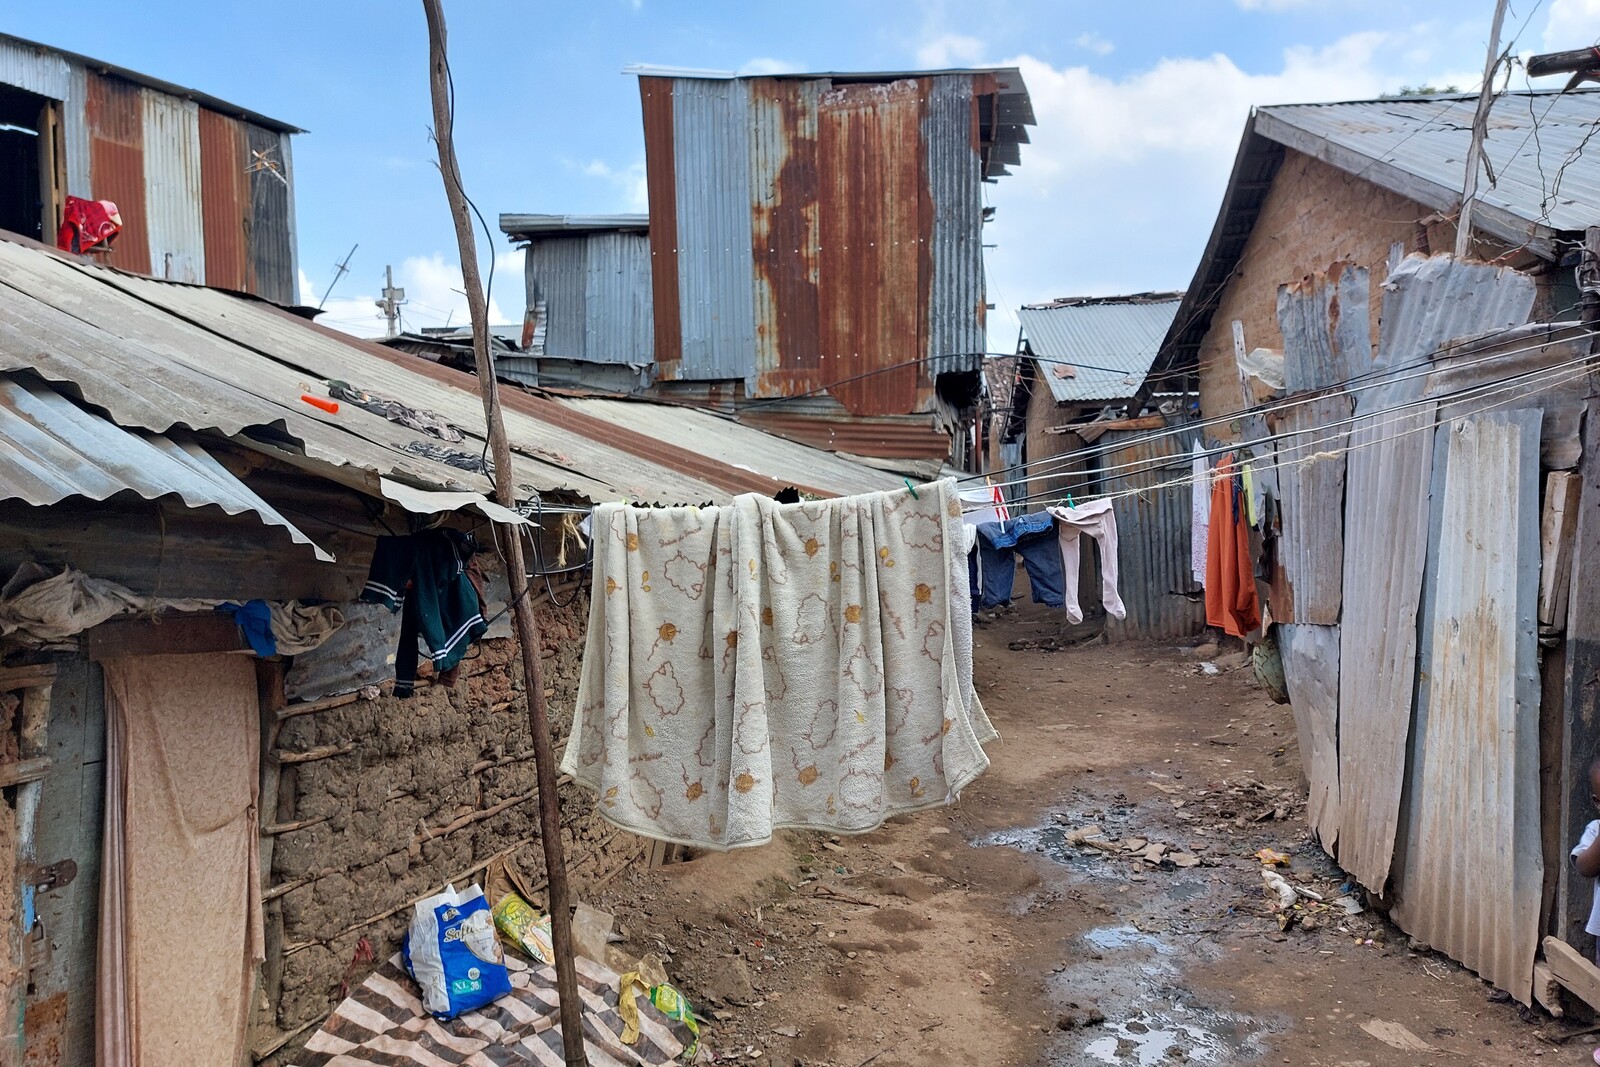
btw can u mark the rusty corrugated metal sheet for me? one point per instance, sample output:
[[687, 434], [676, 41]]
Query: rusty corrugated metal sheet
[[661, 186], [1326, 341], [1470, 871], [1155, 577], [272, 251], [1430, 301], [225, 200], [711, 163], [784, 229], [897, 436], [954, 180], [1311, 668], [869, 162], [172, 187], [116, 165]]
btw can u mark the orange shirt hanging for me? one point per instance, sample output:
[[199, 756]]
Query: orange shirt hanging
[[1231, 601]]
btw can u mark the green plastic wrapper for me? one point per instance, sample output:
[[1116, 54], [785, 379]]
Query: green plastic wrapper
[[524, 927]]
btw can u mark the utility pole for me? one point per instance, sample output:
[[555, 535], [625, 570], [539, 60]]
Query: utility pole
[[391, 303], [1480, 130], [339, 271], [525, 622]]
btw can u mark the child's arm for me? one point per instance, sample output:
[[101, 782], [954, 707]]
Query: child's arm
[[1588, 861]]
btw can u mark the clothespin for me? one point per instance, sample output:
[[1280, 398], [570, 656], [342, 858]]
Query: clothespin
[[913, 489], [1070, 504]]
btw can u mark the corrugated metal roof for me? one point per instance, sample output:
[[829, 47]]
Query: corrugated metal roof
[[22, 48], [1425, 139], [1107, 343], [1429, 302], [156, 355], [1470, 878], [744, 447], [525, 227], [53, 450], [1311, 670]]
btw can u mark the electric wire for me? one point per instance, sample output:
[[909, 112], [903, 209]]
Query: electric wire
[[1571, 371]]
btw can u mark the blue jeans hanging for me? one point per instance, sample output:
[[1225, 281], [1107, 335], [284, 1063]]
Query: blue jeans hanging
[[1032, 537]]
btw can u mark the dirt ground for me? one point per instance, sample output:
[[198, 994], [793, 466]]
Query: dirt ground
[[983, 934]]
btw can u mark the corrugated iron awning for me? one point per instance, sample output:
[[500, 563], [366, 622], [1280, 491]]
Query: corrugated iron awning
[[51, 450]]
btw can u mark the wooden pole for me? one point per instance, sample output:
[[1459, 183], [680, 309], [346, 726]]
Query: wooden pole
[[1480, 130], [1579, 60], [524, 622], [1580, 740]]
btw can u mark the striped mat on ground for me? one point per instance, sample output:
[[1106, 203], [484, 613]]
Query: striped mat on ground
[[383, 1022]]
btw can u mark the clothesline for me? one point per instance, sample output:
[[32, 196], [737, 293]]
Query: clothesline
[[1356, 384], [1334, 453], [1492, 387]]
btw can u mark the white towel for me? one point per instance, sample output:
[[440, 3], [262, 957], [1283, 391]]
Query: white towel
[[766, 665]]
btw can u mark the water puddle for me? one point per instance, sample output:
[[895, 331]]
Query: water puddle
[[1181, 1033], [1106, 938]]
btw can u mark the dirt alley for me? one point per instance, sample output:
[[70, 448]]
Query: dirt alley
[[979, 934]]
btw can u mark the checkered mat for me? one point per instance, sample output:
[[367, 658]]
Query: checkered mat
[[383, 1022]]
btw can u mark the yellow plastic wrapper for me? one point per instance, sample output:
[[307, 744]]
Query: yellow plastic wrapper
[[651, 979], [524, 927]]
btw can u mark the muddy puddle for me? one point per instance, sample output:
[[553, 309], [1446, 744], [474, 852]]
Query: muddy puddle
[[1132, 969]]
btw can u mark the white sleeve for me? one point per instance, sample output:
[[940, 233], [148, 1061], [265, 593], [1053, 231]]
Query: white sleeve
[[1590, 832]]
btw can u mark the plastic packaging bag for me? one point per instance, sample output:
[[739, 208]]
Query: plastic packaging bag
[[452, 952], [524, 927]]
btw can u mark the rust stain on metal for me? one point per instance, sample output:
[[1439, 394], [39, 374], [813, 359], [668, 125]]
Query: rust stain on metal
[[225, 200], [869, 149], [655, 95], [926, 213], [902, 438], [784, 226], [116, 165]]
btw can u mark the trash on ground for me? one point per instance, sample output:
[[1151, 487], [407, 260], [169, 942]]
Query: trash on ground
[[452, 952], [1396, 1036], [522, 926], [1271, 857]]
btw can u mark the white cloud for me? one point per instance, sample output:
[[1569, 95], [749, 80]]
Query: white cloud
[[433, 296], [950, 50], [629, 181], [1151, 153], [1572, 24], [1272, 5], [769, 65], [1095, 43]]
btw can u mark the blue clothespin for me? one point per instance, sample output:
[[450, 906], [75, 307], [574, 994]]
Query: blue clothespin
[[1070, 504], [913, 489]]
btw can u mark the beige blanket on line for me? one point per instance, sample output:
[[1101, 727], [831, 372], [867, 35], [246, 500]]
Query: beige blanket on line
[[764, 665]]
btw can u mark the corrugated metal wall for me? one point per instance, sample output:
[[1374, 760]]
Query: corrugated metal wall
[[1469, 876], [783, 182], [868, 268], [116, 165], [180, 175], [711, 162], [1155, 575], [225, 198], [556, 270], [617, 299], [816, 232], [172, 187], [272, 248], [955, 306]]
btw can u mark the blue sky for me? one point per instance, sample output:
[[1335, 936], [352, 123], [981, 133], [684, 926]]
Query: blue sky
[[1140, 106]]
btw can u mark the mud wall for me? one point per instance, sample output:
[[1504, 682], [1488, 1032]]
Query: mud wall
[[417, 792]]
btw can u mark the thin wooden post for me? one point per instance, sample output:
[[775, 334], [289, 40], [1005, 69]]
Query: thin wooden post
[[1480, 130], [524, 622], [1580, 733]]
